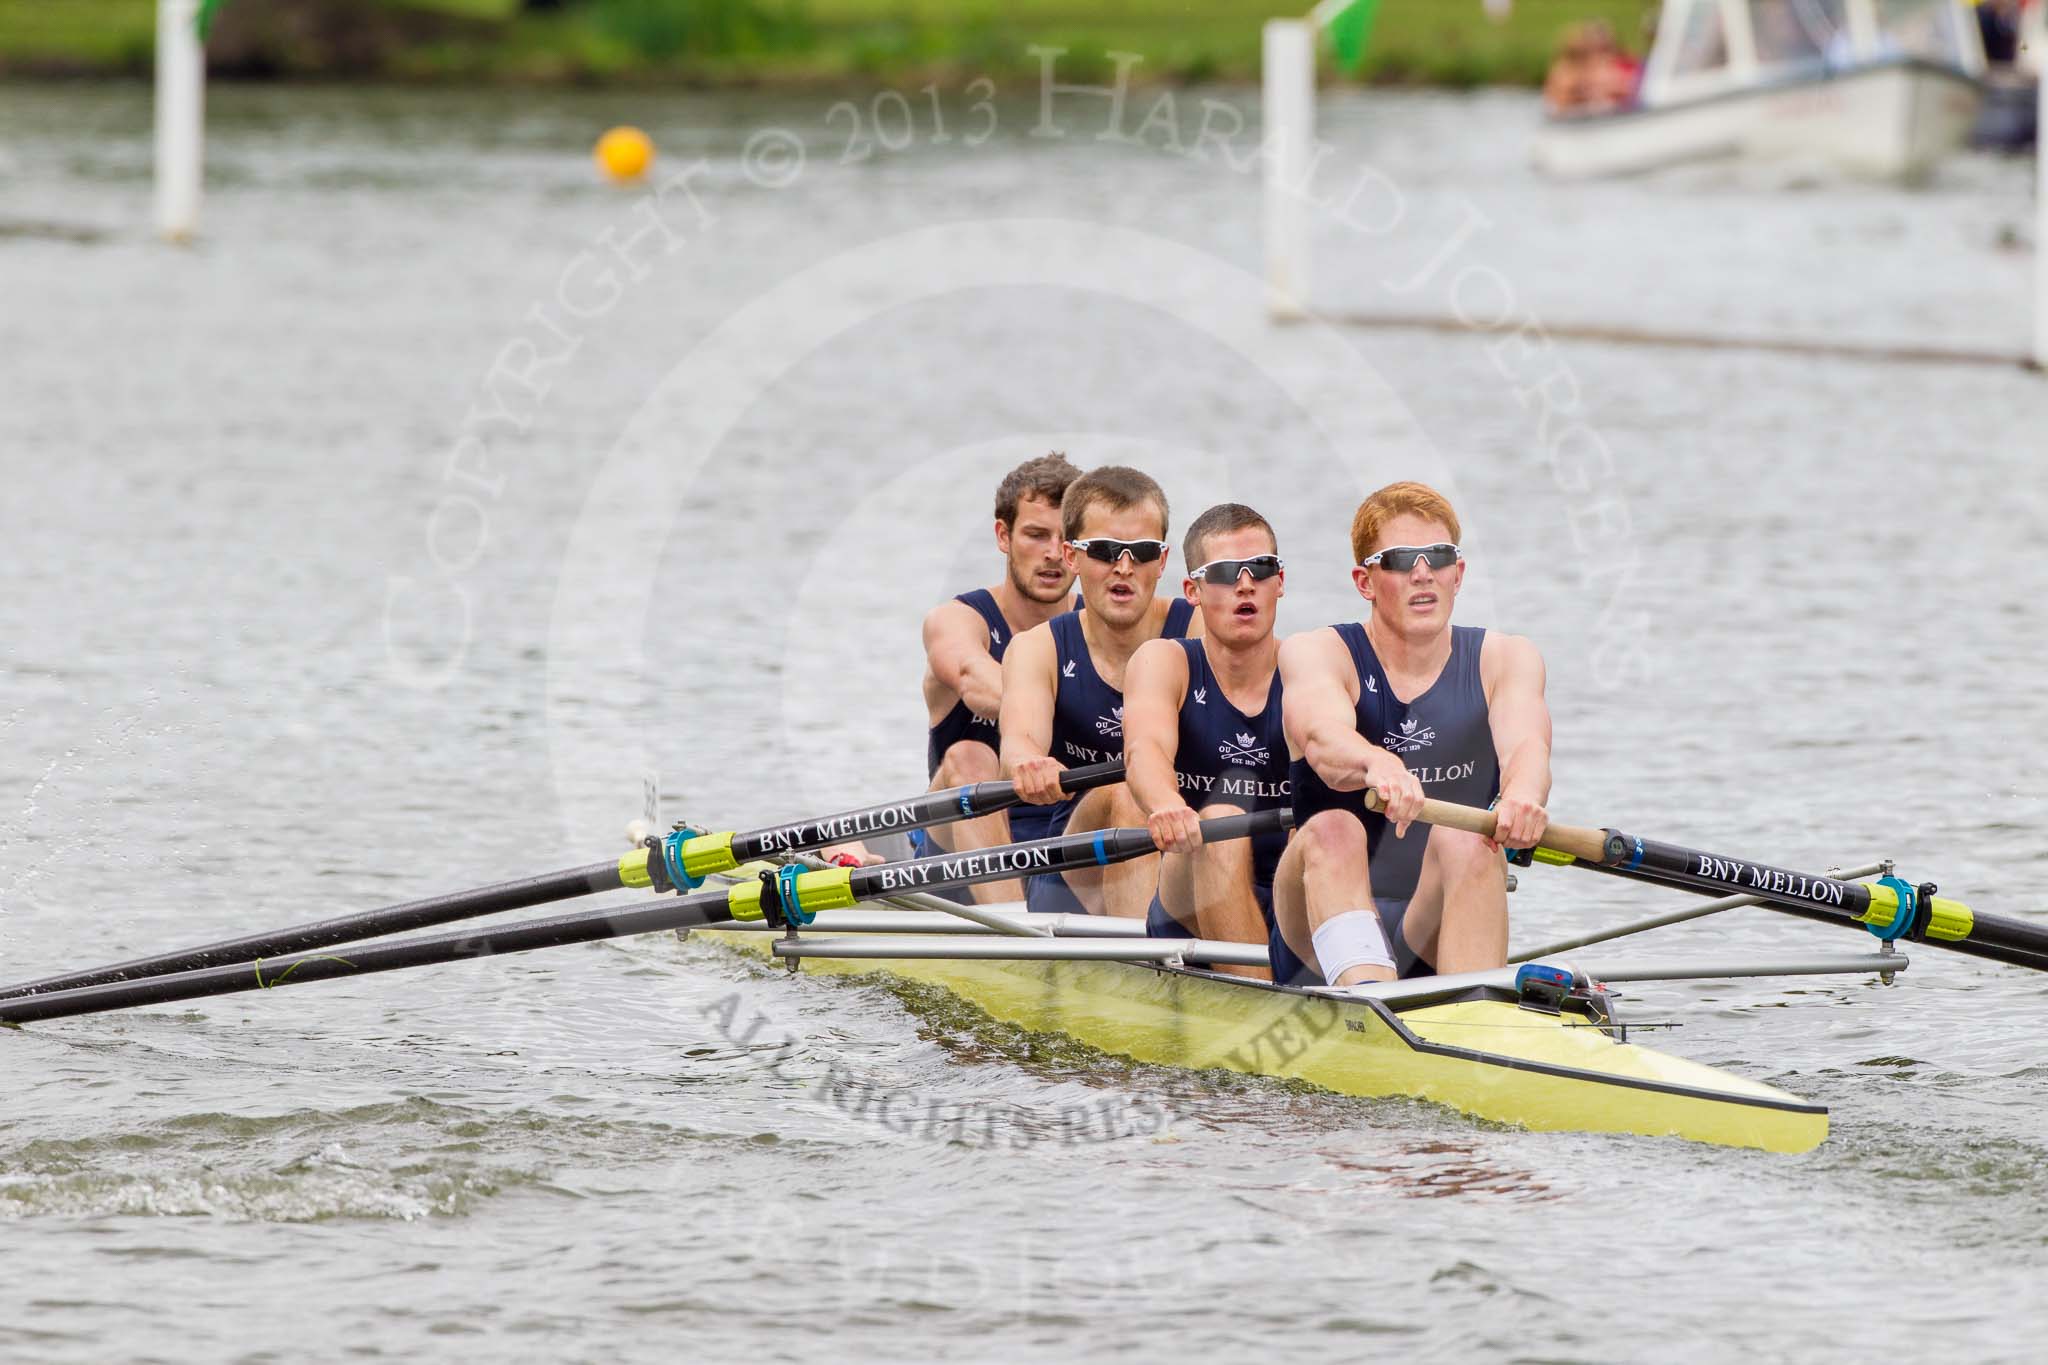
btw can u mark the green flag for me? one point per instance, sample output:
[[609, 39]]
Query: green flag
[[207, 9], [1350, 31]]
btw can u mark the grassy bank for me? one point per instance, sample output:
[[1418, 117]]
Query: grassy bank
[[1441, 42]]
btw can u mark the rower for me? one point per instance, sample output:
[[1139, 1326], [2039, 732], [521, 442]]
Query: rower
[[1408, 705], [965, 638], [1063, 684], [1203, 738]]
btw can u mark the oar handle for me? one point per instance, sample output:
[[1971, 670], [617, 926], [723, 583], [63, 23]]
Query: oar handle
[[1590, 844], [1074, 781]]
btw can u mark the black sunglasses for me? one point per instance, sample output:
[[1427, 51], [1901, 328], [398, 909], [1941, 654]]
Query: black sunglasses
[[1401, 558], [1110, 551], [1226, 571]]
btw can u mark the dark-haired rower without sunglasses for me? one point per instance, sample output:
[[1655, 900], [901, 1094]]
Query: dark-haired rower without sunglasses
[[1203, 738], [1406, 704], [1063, 702]]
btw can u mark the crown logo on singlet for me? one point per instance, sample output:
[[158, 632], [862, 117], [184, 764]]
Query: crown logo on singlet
[[1111, 726], [1247, 750], [1068, 671], [1413, 735]]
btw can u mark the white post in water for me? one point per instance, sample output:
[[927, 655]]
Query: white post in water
[[180, 117], [1288, 97], [2041, 221]]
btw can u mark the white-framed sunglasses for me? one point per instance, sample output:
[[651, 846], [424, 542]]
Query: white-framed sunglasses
[[1401, 558], [1110, 550], [1227, 571]]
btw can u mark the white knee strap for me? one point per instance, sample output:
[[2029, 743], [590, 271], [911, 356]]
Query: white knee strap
[[1352, 939]]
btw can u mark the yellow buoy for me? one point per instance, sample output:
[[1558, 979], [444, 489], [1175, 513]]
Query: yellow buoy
[[625, 153]]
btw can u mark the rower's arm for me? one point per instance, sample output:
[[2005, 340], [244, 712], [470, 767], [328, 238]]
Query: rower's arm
[[1319, 706], [956, 650], [1155, 683], [1511, 670], [1030, 686], [1519, 715]]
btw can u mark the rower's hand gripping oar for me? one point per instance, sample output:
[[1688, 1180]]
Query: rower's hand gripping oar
[[788, 893], [680, 861], [1889, 908]]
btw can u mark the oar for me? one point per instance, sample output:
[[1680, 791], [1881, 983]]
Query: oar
[[673, 861], [1889, 908], [789, 893]]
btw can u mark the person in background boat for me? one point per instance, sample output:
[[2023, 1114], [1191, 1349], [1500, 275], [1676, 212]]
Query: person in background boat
[[1063, 700], [1998, 24], [1408, 705], [1591, 74], [1202, 738], [964, 641]]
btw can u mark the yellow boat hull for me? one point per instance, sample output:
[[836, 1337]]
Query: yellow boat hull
[[1482, 1054]]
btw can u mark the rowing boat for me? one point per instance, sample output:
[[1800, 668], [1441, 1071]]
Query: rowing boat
[[1473, 1043], [1535, 1043]]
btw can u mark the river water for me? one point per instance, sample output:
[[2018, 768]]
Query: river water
[[373, 546]]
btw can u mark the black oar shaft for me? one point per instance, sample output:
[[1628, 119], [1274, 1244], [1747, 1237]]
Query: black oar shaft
[[1946, 923], [523, 894], [1969, 946], [587, 926], [831, 887], [932, 808], [920, 812], [1845, 901]]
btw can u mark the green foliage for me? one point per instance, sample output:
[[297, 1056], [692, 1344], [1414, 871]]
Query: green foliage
[[666, 29], [1447, 42]]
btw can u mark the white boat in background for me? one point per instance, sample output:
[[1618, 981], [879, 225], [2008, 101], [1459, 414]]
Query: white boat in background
[[1880, 88]]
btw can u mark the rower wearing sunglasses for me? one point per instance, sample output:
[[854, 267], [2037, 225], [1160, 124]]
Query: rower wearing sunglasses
[[1203, 738], [1063, 703], [1408, 705]]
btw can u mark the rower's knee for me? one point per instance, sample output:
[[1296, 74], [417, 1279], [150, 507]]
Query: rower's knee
[[1466, 857], [1329, 840], [968, 761], [1225, 852]]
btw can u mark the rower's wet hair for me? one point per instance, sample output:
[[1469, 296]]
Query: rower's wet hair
[[1115, 486], [1221, 520], [1390, 502], [1045, 478]]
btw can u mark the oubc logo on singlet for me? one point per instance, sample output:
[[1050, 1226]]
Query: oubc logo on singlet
[[1111, 726], [1413, 735], [1246, 750]]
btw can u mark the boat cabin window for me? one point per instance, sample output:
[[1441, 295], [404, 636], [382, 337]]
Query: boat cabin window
[[1796, 33], [1931, 29], [1703, 46]]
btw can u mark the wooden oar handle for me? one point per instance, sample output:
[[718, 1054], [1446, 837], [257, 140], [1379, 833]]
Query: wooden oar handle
[[1589, 844]]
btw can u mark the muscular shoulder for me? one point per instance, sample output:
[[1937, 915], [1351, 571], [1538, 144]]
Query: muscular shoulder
[[1313, 654], [953, 619], [1509, 659], [1158, 666], [1034, 646]]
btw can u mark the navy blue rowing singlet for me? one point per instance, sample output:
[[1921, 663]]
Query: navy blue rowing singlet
[[1443, 736], [1227, 757], [1087, 715]]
